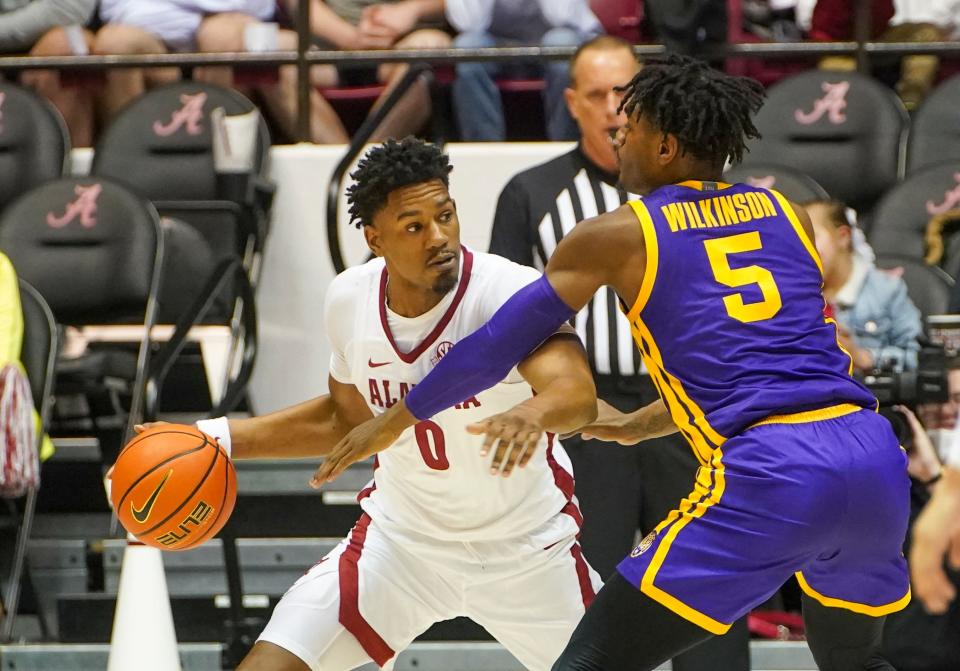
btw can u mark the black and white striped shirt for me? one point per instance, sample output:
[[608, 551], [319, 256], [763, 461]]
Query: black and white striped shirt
[[536, 209]]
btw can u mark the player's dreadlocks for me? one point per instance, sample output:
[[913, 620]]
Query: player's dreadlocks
[[708, 111], [389, 167]]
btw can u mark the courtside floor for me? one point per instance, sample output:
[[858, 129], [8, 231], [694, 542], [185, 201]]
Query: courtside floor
[[766, 656]]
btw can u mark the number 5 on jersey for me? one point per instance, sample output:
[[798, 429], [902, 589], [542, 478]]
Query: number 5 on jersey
[[718, 251]]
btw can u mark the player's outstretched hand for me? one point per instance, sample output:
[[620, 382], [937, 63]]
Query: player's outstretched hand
[[613, 426], [516, 433], [936, 535], [365, 440]]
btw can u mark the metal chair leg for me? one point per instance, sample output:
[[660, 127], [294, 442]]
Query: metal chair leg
[[19, 559]]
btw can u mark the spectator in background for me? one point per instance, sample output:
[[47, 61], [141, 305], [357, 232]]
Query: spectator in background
[[366, 24], [891, 21], [915, 639], [156, 27], [52, 28], [492, 23], [687, 27], [229, 31], [879, 324], [620, 488]]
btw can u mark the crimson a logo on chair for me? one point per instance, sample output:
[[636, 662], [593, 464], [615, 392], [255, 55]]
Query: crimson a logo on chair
[[645, 544], [832, 104], [189, 116], [83, 207], [762, 181], [951, 198]]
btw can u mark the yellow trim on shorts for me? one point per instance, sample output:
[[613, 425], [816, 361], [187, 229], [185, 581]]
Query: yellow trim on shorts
[[819, 415], [705, 498], [861, 608], [652, 260]]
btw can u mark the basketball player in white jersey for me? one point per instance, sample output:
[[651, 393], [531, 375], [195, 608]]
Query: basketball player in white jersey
[[443, 532]]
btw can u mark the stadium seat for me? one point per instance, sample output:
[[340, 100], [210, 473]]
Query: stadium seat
[[929, 287], [843, 129], [34, 142], [93, 249], [161, 146], [934, 133], [38, 355], [793, 184], [900, 221]]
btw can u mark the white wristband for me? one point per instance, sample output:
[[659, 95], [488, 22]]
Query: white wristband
[[218, 428]]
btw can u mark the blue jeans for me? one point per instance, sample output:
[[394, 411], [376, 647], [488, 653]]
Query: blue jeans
[[476, 99]]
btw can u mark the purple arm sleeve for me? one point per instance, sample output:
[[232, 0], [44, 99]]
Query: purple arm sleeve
[[486, 356]]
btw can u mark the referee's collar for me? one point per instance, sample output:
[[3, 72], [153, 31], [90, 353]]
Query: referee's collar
[[610, 178]]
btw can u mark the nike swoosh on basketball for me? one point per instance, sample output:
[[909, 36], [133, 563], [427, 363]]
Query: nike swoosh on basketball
[[376, 365], [143, 513]]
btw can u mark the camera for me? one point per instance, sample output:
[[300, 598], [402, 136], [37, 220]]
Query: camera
[[927, 384]]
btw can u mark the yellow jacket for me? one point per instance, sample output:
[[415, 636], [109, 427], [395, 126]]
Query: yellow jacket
[[11, 332]]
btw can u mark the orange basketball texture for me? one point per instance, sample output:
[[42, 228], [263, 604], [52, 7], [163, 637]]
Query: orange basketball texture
[[173, 487]]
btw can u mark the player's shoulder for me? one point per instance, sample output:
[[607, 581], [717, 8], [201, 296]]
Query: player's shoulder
[[354, 281], [494, 270]]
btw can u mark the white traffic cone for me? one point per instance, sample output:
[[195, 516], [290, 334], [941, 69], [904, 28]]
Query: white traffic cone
[[143, 637]]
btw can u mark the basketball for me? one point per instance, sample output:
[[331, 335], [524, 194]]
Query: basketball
[[173, 487]]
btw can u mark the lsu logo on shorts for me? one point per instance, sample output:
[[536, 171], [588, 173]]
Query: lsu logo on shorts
[[645, 544]]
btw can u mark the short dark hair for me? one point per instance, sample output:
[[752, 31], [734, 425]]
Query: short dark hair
[[709, 112], [388, 167], [598, 43]]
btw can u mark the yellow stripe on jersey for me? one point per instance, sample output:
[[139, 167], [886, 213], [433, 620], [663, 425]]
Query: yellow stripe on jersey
[[700, 428], [705, 498], [798, 227], [652, 260], [812, 250], [701, 449]]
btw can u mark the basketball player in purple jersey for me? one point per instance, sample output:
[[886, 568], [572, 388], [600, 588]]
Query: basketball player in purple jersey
[[722, 286]]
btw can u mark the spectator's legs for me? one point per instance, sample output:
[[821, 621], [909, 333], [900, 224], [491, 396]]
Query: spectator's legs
[[476, 99], [125, 84], [224, 32], [560, 125], [74, 102], [412, 111], [917, 72]]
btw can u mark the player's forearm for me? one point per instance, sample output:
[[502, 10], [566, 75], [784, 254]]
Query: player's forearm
[[565, 405], [486, 356], [309, 429], [652, 421]]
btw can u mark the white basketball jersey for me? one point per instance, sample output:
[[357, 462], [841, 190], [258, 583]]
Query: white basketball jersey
[[433, 481]]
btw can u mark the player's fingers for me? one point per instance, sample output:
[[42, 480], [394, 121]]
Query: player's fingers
[[492, 431], [478, 428], [529, 449], [503, 446], [517, 447], [935, 592]]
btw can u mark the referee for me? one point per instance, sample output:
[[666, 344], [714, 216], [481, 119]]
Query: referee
[[620, 489]]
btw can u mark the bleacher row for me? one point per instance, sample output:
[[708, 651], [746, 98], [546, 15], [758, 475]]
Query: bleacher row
[[840, 134]]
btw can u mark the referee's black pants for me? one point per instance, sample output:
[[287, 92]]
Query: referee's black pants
[[625, 489]]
